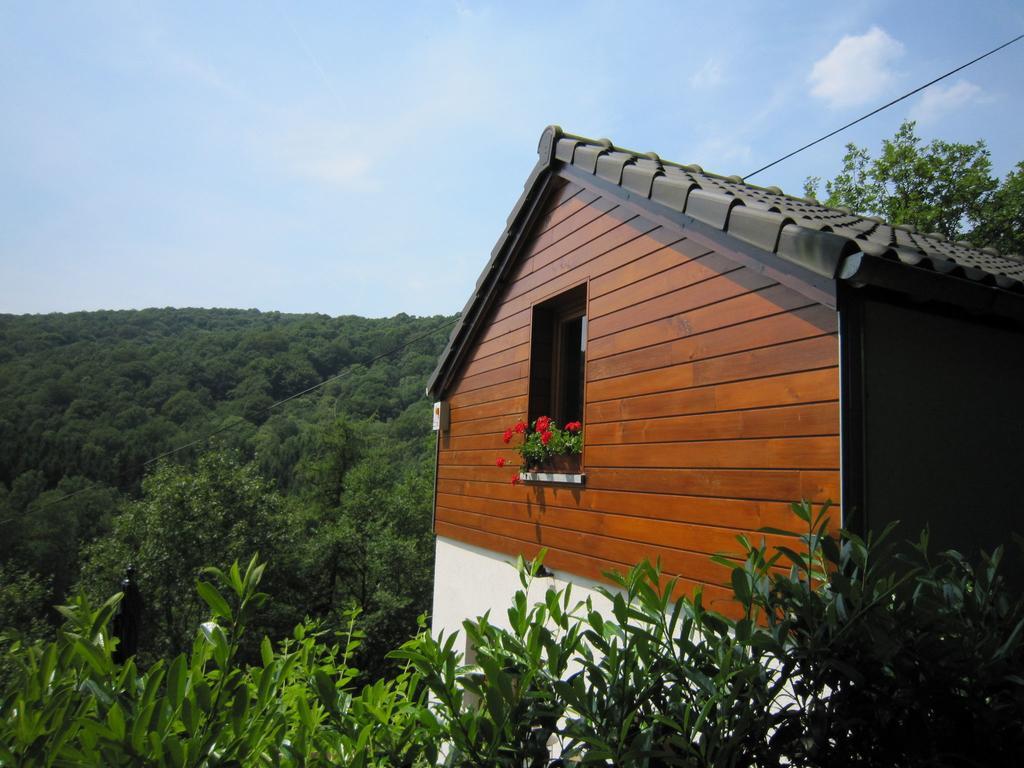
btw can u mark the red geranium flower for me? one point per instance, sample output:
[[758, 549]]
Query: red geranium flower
[[501, 461], [545, 437], [515, 479], [574, 426], [508, 435], [520, 427], [543, 422]]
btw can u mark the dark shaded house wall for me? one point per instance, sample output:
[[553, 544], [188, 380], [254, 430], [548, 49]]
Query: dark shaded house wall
[[944, 427]]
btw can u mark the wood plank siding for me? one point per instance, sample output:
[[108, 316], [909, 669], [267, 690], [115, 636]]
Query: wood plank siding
[[711, 402]]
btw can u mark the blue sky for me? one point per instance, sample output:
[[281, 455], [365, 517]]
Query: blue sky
[[340, 158]]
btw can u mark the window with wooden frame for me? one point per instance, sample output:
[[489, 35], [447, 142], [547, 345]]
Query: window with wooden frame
[[558, 355]]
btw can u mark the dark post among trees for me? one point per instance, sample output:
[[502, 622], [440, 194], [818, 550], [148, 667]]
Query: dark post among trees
[[128, 619]]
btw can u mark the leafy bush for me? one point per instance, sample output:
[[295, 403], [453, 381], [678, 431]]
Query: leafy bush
[[891, 657], [840, 653], [73, 705]]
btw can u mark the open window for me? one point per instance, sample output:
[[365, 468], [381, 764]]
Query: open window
[[558, 357]]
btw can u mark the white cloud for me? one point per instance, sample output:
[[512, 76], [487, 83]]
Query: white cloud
[[708, 76], [938, 100], [857, 71]]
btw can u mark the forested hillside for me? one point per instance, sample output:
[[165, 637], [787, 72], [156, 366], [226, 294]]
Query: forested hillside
[[332, 488]]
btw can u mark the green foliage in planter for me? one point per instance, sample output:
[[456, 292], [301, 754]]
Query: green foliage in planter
[[544, 439]]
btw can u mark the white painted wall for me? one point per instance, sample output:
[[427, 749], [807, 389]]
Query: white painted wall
[[469, 581]]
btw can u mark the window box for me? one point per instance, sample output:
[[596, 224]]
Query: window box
[[548, 477], [565, 464]]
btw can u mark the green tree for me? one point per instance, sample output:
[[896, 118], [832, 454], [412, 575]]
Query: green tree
[[25, 600], [329, 453], [184, 407], [220, 511], [57, 523], [944, 187], [853, 187], [91, 397], [1002, 221], [371, 527]]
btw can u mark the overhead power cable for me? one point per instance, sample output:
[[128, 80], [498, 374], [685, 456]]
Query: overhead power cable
[[884, 106], [272, 406]]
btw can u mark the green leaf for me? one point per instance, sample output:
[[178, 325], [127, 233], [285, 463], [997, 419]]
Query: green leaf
[[239, 708], [305, 715], [214, 635], [154, 678], [326, 690], [236, 579], [175, 750], [1011, 641], [741, 585], [802, 510], [140, 727], [266, 651], [800, 560], [177, 677], [215, 600], [203, 697], [115, 721], [103, 615], [93, 656]]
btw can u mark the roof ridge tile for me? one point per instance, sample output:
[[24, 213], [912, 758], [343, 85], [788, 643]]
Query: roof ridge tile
[[710, 207]]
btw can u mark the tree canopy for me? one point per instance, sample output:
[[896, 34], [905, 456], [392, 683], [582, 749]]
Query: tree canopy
[[332, 487], [941, 186]]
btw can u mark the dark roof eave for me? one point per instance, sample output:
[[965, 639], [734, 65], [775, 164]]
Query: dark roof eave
[[861, 269]]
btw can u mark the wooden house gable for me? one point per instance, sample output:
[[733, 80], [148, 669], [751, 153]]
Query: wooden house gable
[[710, 396]]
